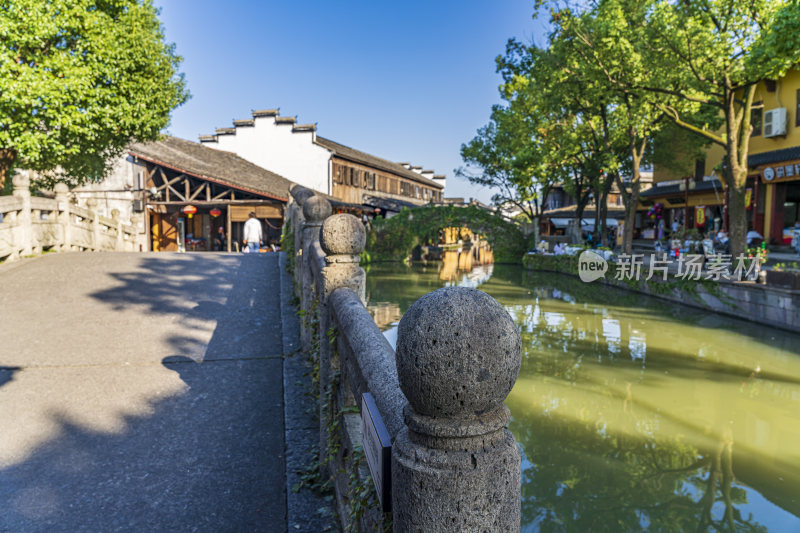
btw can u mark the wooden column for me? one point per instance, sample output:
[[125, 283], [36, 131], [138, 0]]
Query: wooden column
[[228, 227]]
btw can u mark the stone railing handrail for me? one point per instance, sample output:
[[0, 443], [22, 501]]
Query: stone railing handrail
[[82, 212], [43, 204], [31, 224], [371, 367], [10, 203], [454, 465]]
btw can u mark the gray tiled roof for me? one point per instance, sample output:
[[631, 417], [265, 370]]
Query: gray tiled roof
[[700, 186], [214, 165], [773, 156], [357, 156]]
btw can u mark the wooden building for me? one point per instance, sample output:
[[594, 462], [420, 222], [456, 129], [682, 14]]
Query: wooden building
[[356, 176], [178, 176]]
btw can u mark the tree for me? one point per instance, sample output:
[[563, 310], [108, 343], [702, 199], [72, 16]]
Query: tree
[[505, 156], [712, 54], [80, 80]]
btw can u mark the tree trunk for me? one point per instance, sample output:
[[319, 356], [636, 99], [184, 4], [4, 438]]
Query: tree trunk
[[737, 218], [603, 210], [630, 216], [7, 158]]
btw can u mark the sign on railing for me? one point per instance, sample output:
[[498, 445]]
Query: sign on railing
[[377, 449]]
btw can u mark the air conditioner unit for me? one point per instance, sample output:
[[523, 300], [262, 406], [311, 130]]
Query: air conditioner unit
[[775, 122]]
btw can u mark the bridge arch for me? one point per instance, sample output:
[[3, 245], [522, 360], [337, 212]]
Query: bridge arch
[[393, 239]]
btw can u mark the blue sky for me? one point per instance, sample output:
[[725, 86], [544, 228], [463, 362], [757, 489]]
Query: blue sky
[[407, 81]]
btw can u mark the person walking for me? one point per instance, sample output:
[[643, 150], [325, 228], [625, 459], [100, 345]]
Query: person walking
[[252, 233]]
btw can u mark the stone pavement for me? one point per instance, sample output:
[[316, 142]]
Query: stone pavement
[[143, 392]]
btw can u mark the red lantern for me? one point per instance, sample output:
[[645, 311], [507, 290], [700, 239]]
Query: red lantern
[[215, 212], [190, 210]]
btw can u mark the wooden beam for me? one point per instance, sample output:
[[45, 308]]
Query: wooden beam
[[222, 194], [208, 192], [168, 182], [197, 191], [203, 203]]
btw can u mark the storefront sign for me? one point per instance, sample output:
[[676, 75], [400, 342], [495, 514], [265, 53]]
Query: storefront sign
[[700, 215], [377, 449], [781, 172], [748, 198]]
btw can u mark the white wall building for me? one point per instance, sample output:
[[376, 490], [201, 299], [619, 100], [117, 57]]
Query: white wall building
[[279, 145], [292, 150]]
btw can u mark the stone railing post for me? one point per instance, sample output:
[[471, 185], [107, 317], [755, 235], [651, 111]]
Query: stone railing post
[[456, 467], [342, 239], [300, 195], [120, 245], [22, 190], [62, 208], [138, 239], [91, 204], [315, 210]]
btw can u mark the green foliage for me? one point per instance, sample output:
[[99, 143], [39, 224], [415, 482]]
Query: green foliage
[[393, 239], [793, 266], [80, 80], [287, 245], [506, 157]]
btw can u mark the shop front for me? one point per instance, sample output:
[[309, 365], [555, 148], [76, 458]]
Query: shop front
[[780, 210], [198, 198], [688, 204]]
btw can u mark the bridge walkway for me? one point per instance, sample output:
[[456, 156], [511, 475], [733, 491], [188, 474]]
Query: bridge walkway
[[142, 392]]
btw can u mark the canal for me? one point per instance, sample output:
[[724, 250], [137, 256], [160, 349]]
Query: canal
[[633, 414]]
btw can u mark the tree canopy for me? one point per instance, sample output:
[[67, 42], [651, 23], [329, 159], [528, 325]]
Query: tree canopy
[[614, 73], [79, 80]]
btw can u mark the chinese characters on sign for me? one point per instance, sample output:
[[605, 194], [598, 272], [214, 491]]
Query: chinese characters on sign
[[689, 266]]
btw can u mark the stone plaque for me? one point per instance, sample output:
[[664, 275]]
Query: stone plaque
[[377, 449]]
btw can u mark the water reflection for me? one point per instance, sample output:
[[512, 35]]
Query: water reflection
[[634, 414]]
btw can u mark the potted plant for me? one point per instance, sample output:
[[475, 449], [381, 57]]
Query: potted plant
[[785, 276]]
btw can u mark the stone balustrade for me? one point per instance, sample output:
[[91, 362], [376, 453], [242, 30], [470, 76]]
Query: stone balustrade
[[454, 465], [30, 225]]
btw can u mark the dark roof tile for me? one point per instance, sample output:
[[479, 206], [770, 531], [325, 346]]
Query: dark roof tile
[[213, 165]]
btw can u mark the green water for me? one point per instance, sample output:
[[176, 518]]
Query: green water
[[633, 414]]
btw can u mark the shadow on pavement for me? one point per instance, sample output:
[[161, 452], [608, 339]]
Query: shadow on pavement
[[207, 455], [7, 374]]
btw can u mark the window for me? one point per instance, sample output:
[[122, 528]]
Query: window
[[699, 169], [797, 110], [757, 119]]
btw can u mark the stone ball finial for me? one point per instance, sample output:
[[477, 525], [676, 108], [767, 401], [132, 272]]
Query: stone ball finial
[[21, 180], [342, 234], [115, 214], [301, 194], [458, 353], [61, 188], [316, 209], [91, 202]]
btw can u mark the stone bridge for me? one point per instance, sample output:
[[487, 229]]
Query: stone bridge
[[144, 392], [179, 392]]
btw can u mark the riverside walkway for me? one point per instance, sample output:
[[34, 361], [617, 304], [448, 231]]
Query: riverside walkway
[[145, 392]]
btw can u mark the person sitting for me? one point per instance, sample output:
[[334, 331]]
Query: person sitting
[[754, 238], [796, 237]]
